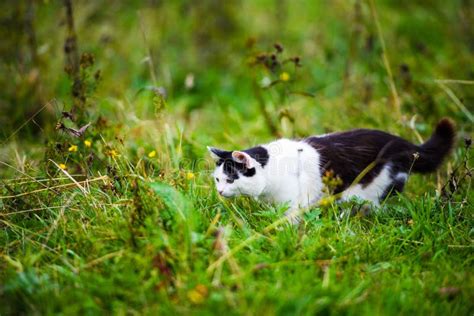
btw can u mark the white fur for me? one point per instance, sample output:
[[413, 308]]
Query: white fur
[[401, 176], [292, 175], [372, 192]]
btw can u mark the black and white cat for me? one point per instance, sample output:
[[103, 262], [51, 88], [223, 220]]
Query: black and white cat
[[290, 171]]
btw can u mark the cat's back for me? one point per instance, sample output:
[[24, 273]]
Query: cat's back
[[287, 155], [360, 142], [349, 153], [284, 147]]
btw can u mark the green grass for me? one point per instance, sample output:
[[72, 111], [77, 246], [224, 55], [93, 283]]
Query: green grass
[[136, 233]]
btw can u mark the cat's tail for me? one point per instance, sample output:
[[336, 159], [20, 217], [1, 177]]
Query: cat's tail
[[435, 149]]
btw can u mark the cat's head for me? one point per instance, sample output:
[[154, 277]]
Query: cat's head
[[239, 172]]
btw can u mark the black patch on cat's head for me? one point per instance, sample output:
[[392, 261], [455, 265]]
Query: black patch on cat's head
[[258, 153], [219, 154], [233, 168]]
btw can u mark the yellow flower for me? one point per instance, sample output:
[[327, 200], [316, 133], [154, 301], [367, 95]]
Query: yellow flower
[[152, 154], [326, 201], [73, 148], [112, 153], [62, 166], [87, 143], [198, 294], [284, 76], [189, 175]]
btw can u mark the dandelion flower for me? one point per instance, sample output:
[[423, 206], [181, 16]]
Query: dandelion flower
[[112, 153], [326, 201], [152, 154], [284, 76], [87, 143], [189, 175], [198, 294], [62, 166], [73, 148]]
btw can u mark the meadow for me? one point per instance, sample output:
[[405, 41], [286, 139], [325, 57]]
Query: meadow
[[107, 203]]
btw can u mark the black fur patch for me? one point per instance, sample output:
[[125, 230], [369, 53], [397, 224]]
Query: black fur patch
[[347, 154], [396, 186], [433, 151], [232, 168], [258, 153]]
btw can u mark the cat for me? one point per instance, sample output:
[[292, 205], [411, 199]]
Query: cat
[[291, 171]]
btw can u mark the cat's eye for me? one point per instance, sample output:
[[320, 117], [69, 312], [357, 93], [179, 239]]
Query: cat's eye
[[230, 181], [217, 179]]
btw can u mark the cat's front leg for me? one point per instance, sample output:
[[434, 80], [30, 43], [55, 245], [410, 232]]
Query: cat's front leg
[[297, 208], [293, 215]]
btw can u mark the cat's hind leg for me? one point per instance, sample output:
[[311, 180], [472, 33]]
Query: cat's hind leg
[[372, 191], [398, 183]]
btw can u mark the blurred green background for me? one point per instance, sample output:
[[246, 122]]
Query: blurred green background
[[211, 42]]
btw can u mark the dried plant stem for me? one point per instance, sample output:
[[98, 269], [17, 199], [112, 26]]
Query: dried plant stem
[[103, 258], [19, 171], [52, 188], [353, 40], [456, 101], [71, 51], [393, 88], [72, 54], [268, 119], [459, 81], [70, 177], [52, 208], [29, 120], [151, 65]]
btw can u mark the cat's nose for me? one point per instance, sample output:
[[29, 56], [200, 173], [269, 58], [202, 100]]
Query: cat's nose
[[220, 192]]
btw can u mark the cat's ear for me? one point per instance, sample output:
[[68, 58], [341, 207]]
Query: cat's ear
[[244, 158], [218, 154]]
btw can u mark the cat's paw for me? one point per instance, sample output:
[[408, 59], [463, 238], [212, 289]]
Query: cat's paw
[[362, 210], [293, 217]]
